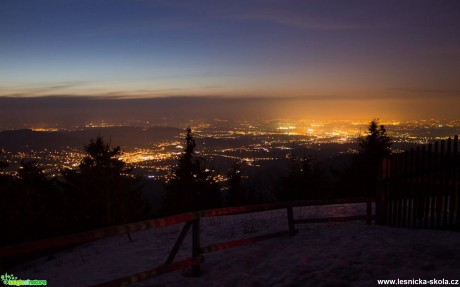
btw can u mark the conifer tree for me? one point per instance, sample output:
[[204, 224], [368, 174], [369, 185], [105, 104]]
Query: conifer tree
[[375, 146], [3, 164], [367, 165], [30, 172], [192, 185], [303, 181], [237, 191], [33, 214], [103, 189]]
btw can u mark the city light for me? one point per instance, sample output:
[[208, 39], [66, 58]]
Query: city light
[[252, 142]]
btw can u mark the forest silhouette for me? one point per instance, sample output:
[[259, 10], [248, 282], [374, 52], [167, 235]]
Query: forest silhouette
[[101, 191]]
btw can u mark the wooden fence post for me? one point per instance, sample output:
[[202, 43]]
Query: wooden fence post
[[381, 204], [178, 243], [196, 245], [369, 210], [290, 215]]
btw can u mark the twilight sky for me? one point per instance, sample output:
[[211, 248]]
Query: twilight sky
[[338, 58]]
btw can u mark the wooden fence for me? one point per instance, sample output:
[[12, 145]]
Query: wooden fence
[[421, 187], [190, 220]]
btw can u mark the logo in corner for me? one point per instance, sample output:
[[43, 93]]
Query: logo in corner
[[11, 280], [7, 277]]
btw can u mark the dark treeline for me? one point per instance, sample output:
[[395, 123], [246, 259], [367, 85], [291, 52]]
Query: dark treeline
[[102, 192]]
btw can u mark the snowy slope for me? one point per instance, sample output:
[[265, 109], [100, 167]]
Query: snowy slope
[[327, 254]]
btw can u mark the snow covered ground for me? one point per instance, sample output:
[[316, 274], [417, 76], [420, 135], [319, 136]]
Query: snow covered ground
[[326, 254]]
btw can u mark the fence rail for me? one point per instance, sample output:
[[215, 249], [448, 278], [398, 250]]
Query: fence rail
[[192, 221], [88, 236]]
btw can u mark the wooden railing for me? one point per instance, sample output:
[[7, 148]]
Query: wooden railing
[[191, 220]]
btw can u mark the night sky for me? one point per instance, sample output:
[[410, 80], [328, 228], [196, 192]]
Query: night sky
[[338, 59]]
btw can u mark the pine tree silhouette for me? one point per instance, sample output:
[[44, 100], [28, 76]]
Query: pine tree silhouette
[[104, 191], [367, 165], [375, 146], [3, 164], [303, 181], [237, 190], [193, 185]]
